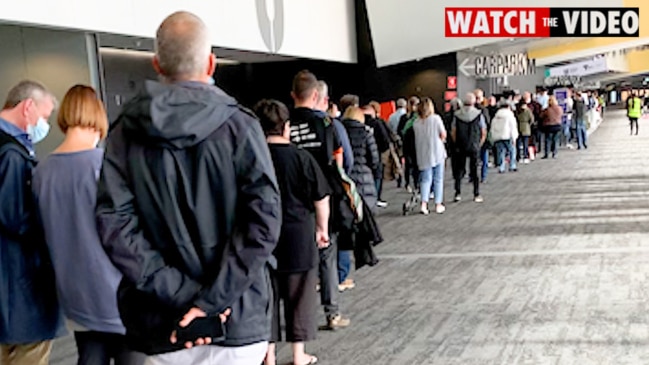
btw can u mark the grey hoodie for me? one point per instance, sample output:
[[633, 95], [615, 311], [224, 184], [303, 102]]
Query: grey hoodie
[[469, 122], [467, 113]]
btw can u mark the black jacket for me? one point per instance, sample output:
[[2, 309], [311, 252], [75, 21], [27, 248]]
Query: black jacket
[[189, 211], [316, 134], [366, 160], [381, 133], [467, 129], [29, 310]]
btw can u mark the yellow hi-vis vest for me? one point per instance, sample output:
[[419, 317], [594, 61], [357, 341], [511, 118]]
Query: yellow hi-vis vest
[[634, 107]]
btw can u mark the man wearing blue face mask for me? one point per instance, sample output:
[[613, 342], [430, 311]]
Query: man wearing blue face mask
[[29, 313]]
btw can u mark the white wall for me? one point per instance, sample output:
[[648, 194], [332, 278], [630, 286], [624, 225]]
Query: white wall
[[406, 30], [320, 29]]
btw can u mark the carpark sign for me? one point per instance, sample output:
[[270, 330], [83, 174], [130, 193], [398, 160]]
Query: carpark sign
[[504, 65]]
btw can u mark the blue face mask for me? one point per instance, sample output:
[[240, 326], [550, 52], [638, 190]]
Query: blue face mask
[[39, 131], [211, 81]]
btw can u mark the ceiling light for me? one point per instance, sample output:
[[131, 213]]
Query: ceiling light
[[225, 61], [125, 51]]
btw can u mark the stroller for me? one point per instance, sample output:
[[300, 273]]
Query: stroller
[[413, 203]]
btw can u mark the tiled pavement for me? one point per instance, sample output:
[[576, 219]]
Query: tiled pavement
[[552, 269]]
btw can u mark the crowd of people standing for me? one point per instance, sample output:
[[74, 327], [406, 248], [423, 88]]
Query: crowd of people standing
[[181, 240], [485, 132], [178, 242]]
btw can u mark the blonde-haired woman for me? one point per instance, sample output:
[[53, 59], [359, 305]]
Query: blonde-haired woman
[[430, 136], [65, 186]]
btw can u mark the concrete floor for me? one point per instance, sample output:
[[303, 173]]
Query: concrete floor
[[552, 269]]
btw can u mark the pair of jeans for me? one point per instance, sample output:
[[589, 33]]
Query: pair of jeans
[[434, 177], [551, 142], [582, 135], [538, 140], [378, 184], [506, 147], [565, 136], [524, 146], [99, 348], [484, 157], [344, 265], [329, 277], [460, 158]]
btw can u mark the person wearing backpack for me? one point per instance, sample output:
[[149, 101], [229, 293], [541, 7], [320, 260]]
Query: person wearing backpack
[[469, 132]]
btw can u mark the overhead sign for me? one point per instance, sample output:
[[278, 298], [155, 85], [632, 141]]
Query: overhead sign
[[584, 68], [562, 80], [541, 22], [590, 85], [464, 67], [504, 65]]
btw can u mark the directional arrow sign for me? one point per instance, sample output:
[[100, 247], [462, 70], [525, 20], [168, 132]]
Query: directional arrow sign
[[464, 66]]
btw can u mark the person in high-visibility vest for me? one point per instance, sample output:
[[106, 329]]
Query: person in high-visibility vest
[[634, 111]]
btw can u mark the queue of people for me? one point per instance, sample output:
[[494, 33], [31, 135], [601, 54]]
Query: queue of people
[[178, 242], [485, 132], [181, 240]]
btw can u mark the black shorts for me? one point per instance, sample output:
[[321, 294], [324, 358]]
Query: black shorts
[[298, 292]]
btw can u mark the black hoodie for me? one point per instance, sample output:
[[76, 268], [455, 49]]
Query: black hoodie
[[189, 211]]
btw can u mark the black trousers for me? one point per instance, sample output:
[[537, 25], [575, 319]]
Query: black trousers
[[412, 171], [99, 348], [459, 171], [297, 292], [632, 122]]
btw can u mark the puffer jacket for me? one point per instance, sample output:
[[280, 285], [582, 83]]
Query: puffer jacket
[[504, 126], [366, 160]]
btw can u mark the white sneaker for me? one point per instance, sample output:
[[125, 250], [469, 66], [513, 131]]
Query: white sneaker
[[409, 188], [526, 161], [478, 199], [440, 209], [425, 211], [381, 204]]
